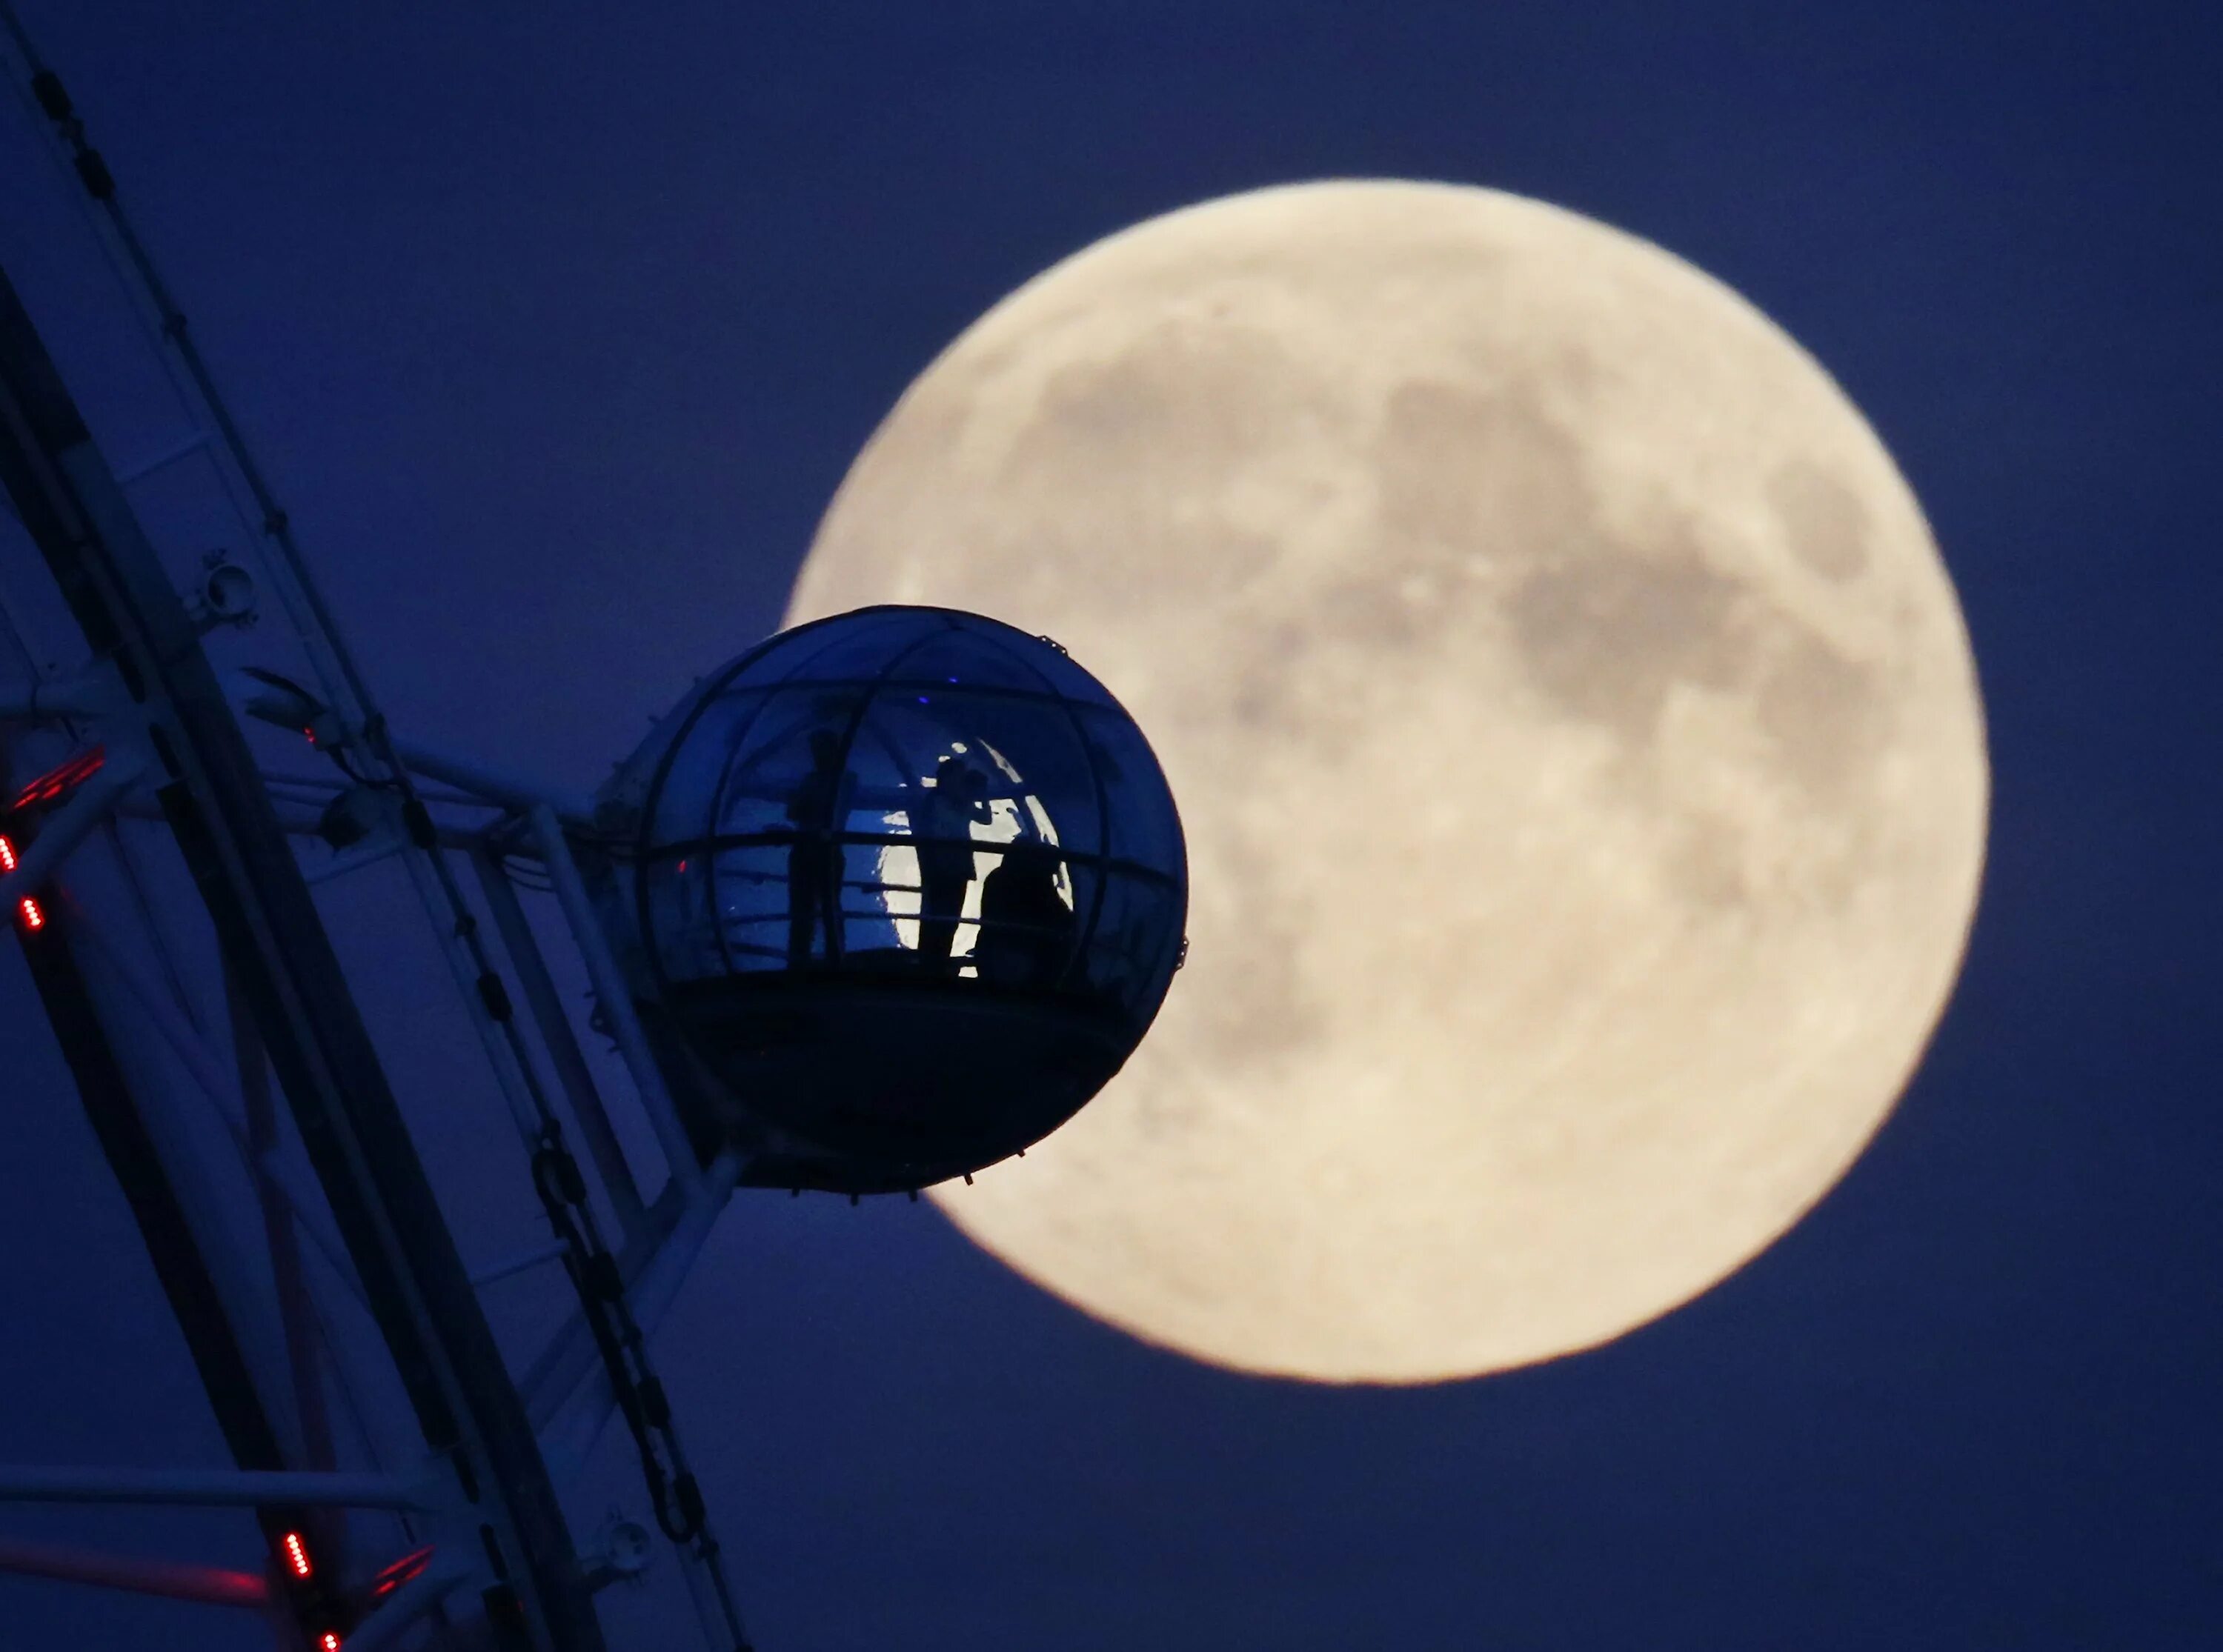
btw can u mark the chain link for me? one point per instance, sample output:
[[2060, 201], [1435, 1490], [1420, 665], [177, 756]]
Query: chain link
[[673, 1490]]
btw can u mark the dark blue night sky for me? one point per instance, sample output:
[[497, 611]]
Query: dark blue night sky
[[558, 325]]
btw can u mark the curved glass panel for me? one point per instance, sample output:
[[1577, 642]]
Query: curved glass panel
[[911, 883]]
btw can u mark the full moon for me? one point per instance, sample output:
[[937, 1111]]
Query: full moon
[[1576, 734]]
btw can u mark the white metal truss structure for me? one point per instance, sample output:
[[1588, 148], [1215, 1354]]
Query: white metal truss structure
[[412, 1471]]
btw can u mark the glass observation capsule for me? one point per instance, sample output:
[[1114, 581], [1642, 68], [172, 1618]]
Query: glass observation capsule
[[903, 888]]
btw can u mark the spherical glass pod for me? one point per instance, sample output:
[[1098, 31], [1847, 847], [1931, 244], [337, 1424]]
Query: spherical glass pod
[[907, 887]]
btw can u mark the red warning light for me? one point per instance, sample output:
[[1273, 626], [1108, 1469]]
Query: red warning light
[[33, 914], [329, 1641], [51, 784], [297, 1556], [400, 1571]]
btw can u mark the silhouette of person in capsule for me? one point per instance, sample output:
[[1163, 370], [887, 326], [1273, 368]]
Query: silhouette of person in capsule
[[1026, 928], [816, 809], [942, 832]]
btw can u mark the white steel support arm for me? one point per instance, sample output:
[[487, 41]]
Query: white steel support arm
[[615, 998], [512, 791], [558, 1038], [406, 1606], [68, 826], [208, 1585], [217, 1089], [82, 693]]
